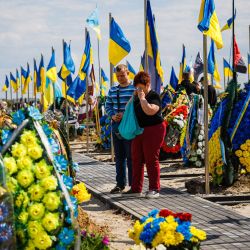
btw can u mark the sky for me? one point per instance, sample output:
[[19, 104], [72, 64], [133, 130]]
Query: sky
[[31, 27]]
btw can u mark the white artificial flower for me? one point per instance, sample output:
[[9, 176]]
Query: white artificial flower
[[202, 156], [138, 247], [198, 164], [199, 144], [202, 132], [181, 116], [161, 247], [175, 120], [199, 151], [181, 124], [200, 137], [193, 159]]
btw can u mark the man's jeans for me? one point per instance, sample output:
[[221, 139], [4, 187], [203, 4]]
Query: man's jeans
[[122, 158]]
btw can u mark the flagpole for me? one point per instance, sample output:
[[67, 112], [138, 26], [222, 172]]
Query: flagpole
[[66, 101], [34, 86], [87, 100], [247, 58], [28, 88], [11, 95], [6, 95], [100, 84], [233, 31], [224, 75], [207, 188], [111, 67], [145, 35]]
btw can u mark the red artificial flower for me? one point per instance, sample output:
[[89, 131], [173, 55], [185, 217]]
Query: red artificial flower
[[165, 213], [184, 216]]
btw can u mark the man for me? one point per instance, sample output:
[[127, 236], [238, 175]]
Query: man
[[186, 84], [212, 97], [117, 99]]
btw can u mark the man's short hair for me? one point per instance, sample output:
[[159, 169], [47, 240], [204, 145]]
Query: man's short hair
[[121, 67]]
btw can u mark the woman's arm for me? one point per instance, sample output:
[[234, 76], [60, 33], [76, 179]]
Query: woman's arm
[[149, 109]]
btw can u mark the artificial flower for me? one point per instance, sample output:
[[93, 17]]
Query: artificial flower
[[42, 170], [42, 241], [21, 235], [49, 183], [10, 165], [18, 150], [22, 199], [81, 193], [34, 113], [35, 151], [36, 192], [24, 162], [36, 211], [50, 221], [28, 138], [23, 217], [30, 246], [47, 130], [55, 148], [25, 177], [12, 184], [18, 117], [6, 135], [51, 201], [61, 163], [66, 236], [34, 228], [68, 181]]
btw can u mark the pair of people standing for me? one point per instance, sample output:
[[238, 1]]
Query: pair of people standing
[[145, 148]]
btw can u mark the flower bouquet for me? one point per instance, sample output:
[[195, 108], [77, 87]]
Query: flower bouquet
[[166, 230]]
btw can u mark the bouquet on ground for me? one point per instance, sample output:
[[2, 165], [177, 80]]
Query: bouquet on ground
[[166, 230]]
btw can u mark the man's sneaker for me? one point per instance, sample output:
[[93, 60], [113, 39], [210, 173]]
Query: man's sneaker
[[151, 194], [117, 190], [130, 193]]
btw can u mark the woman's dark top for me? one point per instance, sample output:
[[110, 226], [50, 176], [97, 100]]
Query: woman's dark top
[[145, 120]]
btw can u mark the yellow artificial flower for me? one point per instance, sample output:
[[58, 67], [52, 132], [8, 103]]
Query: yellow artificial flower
[[219, 171], [24, 162], [238, 153], [28, 138], [247, 142], [50, 221], [22, 200], [10, 165], [36, 211], [80, 192], [49, 183], [30, 246], [134, 233], [199, 234], [42, 170], [246, 154], [35, 151], [36, 192], [51, 201], [42, 241], [34, 228], [25, 178], [23, 217], [12, 184], [21, 236], [243, 147], [18, 150]]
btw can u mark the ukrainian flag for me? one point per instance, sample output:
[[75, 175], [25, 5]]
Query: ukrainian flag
[[51, 69], [48, 97], [104, 81], [173, 80], [209, 23], [93, 22], [68, 66], [228, 72], [35, 77], [6, 84], [78, 87], [41, 78], [229, 23], [213, 66], [25, 78], [141, 68], [114, 76], [131, 70], [119, 46], [13, 82], [183, 64], [154, 62]]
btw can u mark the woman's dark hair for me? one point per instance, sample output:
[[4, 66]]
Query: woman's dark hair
[[142, 78]]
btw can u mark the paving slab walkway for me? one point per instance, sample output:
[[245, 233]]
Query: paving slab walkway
[[225, 228]]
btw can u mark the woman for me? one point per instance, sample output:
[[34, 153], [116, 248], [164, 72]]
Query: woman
[[146, 147]]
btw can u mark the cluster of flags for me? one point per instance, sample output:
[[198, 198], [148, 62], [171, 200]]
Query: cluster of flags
[[45, 81]]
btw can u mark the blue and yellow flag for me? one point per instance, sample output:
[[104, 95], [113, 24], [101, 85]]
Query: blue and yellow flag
[[119, 46], [13, 83], [104, 83], [51, 69], [209, 23], [78, 86], [41, 78], [141, 68], [173, 80], [25, 78], [93, 22], [228, 72], [154, 62], [183, 64], [35, 78], [6, 84], [213, 66], [229, 23], [68, 66], [131, 70], [248, 66]]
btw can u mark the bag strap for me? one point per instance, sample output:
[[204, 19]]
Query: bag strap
[[118, 98]]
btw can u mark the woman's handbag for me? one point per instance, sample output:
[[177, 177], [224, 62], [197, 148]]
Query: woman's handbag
[[129, 127]]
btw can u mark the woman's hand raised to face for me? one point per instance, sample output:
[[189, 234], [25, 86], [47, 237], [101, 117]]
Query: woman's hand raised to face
[[141, 94]]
